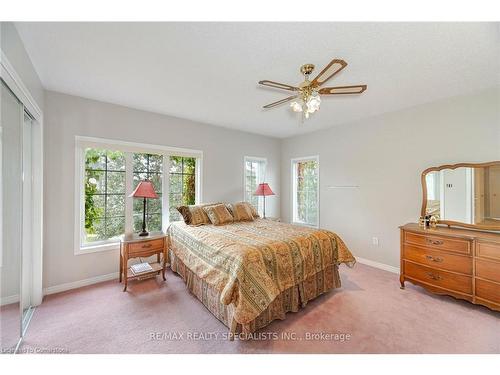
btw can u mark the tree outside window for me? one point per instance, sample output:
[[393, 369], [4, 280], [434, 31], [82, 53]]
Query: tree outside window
[[182, 184], [104, 194], [148, 167]]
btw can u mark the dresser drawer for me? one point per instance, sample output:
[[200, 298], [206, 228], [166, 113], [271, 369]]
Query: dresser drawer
[[143, 248], [438, 259], [488, 290], [488, 270], [489, 250], [443, 279], [440, 243]]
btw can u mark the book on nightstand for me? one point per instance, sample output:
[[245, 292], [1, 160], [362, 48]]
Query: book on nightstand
[[141, 268]]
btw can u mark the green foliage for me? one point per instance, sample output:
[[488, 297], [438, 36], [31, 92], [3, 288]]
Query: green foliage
[[105, 191], [307, 183], [182, 184], [104, 214]]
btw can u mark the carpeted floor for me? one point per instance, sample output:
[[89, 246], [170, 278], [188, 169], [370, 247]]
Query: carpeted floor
[[369, 314]]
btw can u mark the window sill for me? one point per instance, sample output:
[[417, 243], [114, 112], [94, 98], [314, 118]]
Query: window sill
[[97, 248]]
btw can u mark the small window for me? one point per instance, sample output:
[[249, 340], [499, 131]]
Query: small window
[[104, 195], [182, 188], [305, 196], [255, 174]]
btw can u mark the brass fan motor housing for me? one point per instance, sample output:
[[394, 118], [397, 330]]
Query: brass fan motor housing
[[307, 69]]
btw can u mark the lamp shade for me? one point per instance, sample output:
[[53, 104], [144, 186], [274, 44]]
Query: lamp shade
[[145, 189], [263, 190]]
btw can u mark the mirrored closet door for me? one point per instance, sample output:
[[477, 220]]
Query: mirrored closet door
[[15, 220]]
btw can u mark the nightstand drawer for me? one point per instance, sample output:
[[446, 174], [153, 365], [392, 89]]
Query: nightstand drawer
[[142, 248], [438, 259], [440, 243]]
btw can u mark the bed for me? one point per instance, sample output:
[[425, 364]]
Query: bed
[[248, 274]]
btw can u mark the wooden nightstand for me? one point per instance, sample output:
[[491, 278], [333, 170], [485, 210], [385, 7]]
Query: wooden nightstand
[[133, 246]]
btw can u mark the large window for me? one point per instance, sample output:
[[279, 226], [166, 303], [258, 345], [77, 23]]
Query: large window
[[108, 173], [305, 187], [255, 173]]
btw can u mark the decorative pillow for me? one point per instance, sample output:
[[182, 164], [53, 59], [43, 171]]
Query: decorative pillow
[[194, 214], [241, 211], [255, 214], [218, 214]]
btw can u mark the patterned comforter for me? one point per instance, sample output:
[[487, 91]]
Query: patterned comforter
[[250, 263]]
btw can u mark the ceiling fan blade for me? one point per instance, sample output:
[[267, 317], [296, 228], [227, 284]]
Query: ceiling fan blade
[[358, 89], [278, 85], [271, 105], [335, 66]]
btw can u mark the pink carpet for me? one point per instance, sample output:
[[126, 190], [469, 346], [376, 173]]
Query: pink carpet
[[370, 307]]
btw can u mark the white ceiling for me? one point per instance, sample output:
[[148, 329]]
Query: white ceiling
[[209, 71]]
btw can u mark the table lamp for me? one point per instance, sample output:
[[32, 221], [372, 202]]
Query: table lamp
[[145, 190], [262, 191]]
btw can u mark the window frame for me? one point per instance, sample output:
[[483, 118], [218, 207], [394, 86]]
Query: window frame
[[259, 159], [83, 142], [293, 202]]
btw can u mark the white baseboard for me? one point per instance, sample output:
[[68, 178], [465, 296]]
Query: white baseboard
[[381, 266], [9, 299], [79, 283]]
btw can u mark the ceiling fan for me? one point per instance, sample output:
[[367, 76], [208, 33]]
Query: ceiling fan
[[307, 95]]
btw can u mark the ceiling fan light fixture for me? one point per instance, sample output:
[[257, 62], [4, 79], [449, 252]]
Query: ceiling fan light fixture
[[313, 102], [307, 99], [296, 106]]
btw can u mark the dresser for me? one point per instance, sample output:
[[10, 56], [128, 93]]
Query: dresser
[[461, 263]]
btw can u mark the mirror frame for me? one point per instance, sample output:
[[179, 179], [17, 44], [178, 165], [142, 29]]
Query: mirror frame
[[450, 223]]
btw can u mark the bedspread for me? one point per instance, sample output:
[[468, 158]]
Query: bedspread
[[250, 263]]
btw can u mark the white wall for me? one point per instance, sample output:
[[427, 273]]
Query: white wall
[[13, 47], [385, 155], [67, 116]]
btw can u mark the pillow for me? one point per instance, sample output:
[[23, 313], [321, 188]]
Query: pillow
[[255, 214], [218, 214], [194, 214], [241, 211]]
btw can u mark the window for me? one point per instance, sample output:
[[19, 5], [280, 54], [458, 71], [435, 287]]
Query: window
[[182, 184], [305, 196], [104, 194], [108, 172], [255, 173], [150, 167]]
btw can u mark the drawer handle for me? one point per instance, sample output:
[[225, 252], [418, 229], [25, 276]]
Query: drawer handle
[[434, 277], [146, 246], [434, 259], [434, 242]]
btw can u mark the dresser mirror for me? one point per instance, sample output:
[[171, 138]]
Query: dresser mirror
[[465, 195]]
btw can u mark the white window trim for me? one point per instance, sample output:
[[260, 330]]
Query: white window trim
[[82, 142], [257, 159], [294, 189]]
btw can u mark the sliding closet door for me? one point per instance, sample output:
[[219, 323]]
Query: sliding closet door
[[12, 116], [27, 217]]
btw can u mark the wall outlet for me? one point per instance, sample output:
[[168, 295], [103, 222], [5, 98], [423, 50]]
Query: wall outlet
[[375, 241]]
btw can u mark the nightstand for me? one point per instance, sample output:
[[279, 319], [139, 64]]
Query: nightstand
[[134, 246]]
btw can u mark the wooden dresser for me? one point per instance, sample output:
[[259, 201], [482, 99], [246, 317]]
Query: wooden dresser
[[458, 262]]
